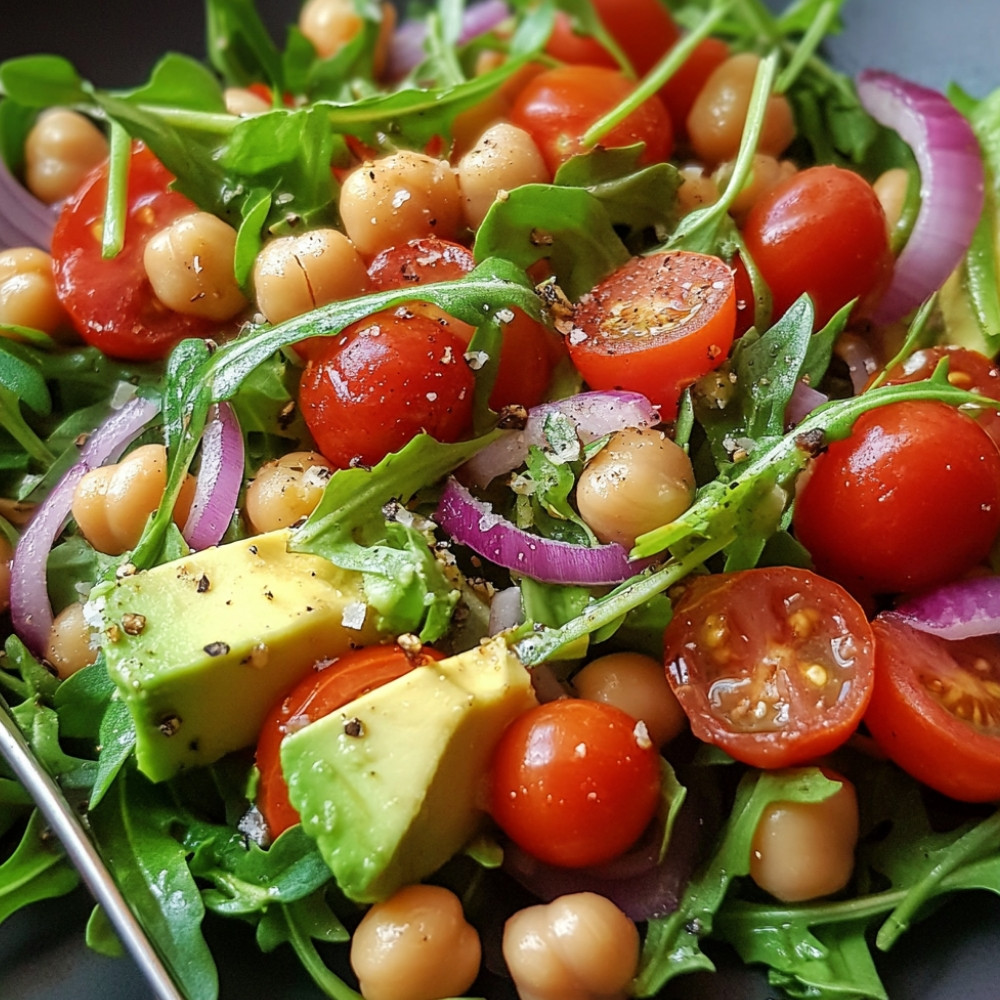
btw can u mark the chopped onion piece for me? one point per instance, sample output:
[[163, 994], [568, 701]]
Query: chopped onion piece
[[804, 400], [506, 610], [219, 479], [30, 609], [951, 186], [957, 610], [594, 413], [474, 524], [24, 220]]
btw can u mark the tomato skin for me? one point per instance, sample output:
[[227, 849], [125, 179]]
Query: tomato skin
[[690, 297], [111, 302], [917, 675], [568, 806], [331, 684], [773, 665], [558, 106], [821, 231], [910, 499], [380, 382], [680, 91]]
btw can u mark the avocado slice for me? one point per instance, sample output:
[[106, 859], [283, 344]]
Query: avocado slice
[[201, 648], [393, 784]]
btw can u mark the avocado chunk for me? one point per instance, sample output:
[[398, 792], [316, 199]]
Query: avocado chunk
[[393, 784], [201, 648]]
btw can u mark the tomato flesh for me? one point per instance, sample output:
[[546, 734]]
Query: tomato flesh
[[574, 783], [935, 708], [773, 665]]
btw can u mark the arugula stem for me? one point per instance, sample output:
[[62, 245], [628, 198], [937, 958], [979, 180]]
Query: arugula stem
[[113, 223], [332, 985], [15, 425], [806, 48]]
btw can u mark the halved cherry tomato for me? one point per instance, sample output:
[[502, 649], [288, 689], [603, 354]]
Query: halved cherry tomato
[[380, 382], [111, 302], [526, 359], [822, 231], [558, 106], [331, 684], [910, 499], [655, 326], [772, 665], [574, 782], [935, 709]]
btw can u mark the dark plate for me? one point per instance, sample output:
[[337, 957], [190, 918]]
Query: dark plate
[[114, 43]]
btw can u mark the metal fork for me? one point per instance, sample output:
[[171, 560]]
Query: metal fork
[[80, 849]]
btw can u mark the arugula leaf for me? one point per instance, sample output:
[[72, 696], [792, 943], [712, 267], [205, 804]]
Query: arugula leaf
[[239, 45], [41, 82], [35, 870]]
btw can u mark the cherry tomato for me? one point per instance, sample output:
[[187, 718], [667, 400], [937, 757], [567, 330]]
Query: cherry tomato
[[655, 326], [679, 92], [967, 369], [380, 382], [643, 28], [574, 782], [111, 302], [772, 665], [558, 106], [910, 499], [526, 360], [935, 710], [822, 231], [332, 683]]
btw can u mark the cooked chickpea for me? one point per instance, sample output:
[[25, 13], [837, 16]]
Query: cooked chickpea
[[112, 504], [416, 945], [28, 291], [891, 188], [578, 947], [505, 157], [715, 122], [767, 172], [6, 555], [62, 147], [71, 644], [398, 198], [294, 274], [244, 102], [286, 490], [697, 189], [802, 850], [190, 266], [637, 684], [639, 480]]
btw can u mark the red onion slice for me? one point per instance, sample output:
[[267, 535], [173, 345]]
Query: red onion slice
[[803, 401], [219, 479], [951, 186], [957, 610], [30, 609], [594, 413], [24, 220], [474, 524]]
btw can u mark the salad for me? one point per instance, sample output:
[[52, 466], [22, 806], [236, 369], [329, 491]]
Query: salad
[[503, 502]]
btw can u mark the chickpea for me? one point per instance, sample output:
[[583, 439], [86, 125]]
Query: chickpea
[[112, 504], [398, 198], [638, 481], [6, 555], [578, 947], [891, 188], [697, 189], [802, 850], [71, 645], [190, 266], [416, 945], [715, 122], [244, 103], [294, 274], [637, 684], [505, 157], [767, 172], [286, 490], [28, 291], [62, 147]]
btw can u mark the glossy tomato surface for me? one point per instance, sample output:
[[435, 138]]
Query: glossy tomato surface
[[655, 326], [910, 499], [935, 708], [574, 782], [111, 302], [772, 665]]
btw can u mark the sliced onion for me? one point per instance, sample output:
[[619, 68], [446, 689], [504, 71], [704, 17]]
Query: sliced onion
[[594, 413], [24, 220], [951, 186], [506, 610], [474, 524], [220, 478], [957, 610], [803, 401], [30, 609], [406, 50]]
